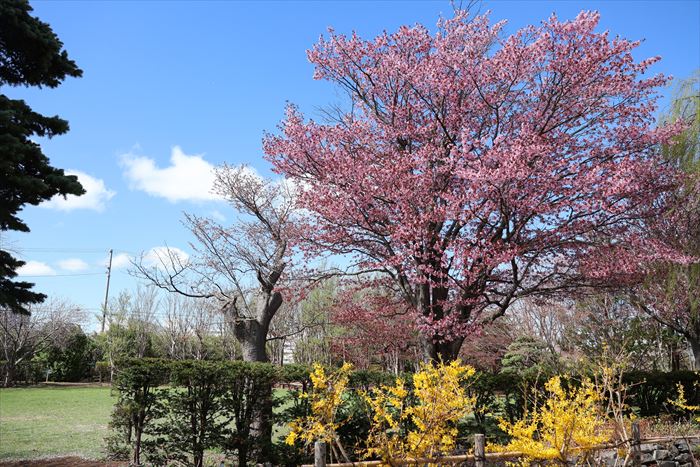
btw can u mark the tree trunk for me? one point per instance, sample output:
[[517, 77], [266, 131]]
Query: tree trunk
[[445, 352], [261, 427], [9, 374], [252, 336], [430, 301], [243, 454], [675, 357], [695, 347], [137, 449]]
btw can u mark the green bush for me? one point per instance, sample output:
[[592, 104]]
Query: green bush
[[174, 411], [206, 405], [140, 401], [72, 361], [248, 399], [650, 391], [194, 418]]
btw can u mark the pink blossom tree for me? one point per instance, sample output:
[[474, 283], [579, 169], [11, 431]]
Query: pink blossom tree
[[375, 327], [475, 169]]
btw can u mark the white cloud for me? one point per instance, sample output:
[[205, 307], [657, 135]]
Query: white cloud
[[187, 178], [73, 264], [120, 260], [95, 197], [164, 255], [35, 268], [217, 215]]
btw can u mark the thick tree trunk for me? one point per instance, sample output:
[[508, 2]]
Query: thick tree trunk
[[252, 335], [445, 352], [430, 302], [261, 428], [695, 347]]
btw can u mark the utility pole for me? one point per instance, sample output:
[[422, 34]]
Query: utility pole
[[109, 275]]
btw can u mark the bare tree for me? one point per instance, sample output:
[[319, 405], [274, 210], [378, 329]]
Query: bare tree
[[591, 326], [185, 326], [281, 329], [142, 317], [243, 267], [302, 330], [544, 320], [175, 326], [22, 336]]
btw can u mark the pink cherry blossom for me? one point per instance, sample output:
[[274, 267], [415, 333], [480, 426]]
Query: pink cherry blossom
[[475, 169]]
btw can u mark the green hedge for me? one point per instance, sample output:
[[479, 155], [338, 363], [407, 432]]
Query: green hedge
[[650, 391], [174, 411]]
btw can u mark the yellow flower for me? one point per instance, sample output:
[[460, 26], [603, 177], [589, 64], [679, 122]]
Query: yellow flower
[[325, 397], [441, 400], [682, 403], [568, 422]]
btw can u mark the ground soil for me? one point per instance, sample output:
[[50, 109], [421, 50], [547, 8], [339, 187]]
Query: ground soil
[[61, 462]]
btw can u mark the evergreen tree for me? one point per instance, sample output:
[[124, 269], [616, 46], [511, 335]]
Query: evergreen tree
[[30, 55]]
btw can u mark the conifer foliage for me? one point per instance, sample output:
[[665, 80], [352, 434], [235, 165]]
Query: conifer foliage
[[30, 55]]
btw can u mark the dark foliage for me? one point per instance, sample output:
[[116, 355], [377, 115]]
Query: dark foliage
[[140, 402], [73, 361], [651, 391], [30, 55], [213, 406]]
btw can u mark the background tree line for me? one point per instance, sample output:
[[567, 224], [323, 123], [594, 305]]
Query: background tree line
[[326, 326]]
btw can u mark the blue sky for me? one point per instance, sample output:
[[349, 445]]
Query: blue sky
[[167, 81]]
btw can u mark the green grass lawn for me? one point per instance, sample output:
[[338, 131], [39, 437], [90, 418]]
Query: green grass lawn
[[53, 421], [59, 421]]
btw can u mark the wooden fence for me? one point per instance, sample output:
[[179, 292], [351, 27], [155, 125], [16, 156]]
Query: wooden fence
[[479, 457]]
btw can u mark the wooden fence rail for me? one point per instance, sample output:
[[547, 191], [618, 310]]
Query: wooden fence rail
[[480, 456]]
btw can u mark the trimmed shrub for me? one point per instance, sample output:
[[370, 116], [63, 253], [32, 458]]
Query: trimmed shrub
[[139, 402], [248, 399], [650, 391], [173, 411], [194, 418]]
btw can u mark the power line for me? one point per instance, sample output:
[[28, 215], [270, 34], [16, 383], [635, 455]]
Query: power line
[[63, 249], [63, 275], [68, 250]]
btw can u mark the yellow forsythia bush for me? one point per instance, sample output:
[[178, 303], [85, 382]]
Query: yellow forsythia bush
[[680, 402], [325, 397], [570, 422], [425, 427]]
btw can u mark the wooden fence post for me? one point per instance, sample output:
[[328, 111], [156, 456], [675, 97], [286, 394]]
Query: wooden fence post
[[319, 454], [479, 450], [636, 441]]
